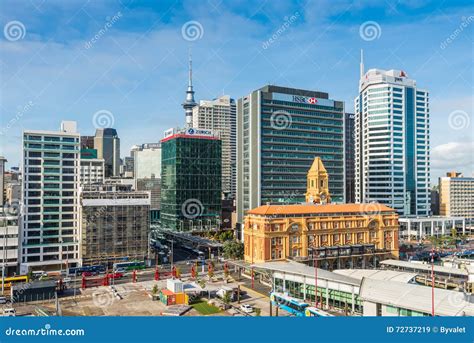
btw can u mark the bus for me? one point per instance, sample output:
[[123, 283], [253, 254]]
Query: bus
[[289, 304], [9, 281], [311, 311], [129, 265], [77, 271]]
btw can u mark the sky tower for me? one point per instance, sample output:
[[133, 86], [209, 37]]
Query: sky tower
[[189, 102]]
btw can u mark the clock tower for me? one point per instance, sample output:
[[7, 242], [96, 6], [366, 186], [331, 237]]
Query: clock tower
[[317, 191]]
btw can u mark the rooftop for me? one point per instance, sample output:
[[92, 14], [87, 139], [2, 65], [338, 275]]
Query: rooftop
[[297, 268], [385, 275], [320, 209], [423, 267], [416, 297]]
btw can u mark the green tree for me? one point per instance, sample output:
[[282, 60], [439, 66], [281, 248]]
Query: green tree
[[226, 299], [154, 290], [233, 250]]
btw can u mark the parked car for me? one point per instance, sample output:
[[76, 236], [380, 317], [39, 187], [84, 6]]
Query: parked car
[[115, 275], [246, 308], [89, 273], [67, 280], [3, 300]]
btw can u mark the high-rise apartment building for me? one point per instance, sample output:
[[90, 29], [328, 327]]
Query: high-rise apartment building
[[392, 130], [107, 144], [279, 133], [191, 180], [456, 196], [218, 115], [50, 197], [349, 155]]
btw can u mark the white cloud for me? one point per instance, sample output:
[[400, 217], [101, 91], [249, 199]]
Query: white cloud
[[452, 156]]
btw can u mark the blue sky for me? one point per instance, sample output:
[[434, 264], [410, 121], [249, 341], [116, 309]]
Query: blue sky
[[136, 67]]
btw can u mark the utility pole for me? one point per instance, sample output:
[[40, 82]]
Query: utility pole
[[432, 283], [315, 279]]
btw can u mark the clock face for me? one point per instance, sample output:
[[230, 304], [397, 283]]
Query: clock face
[[311, 199], [323, 196]]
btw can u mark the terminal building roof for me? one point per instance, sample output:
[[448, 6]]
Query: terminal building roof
[[416, 297], [423, 267], [376, 274], [301, 269], [308, 209]]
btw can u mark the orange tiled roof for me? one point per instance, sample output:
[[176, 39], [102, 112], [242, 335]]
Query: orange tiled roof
[[310, 209]]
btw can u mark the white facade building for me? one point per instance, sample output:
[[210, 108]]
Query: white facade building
[[146, 160], [219, 115], [9, 242], [92, 171], [392, 159], [50, 196]]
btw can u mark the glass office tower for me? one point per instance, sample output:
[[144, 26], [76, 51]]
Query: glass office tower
[[392, 142], [279, 133], [191, 180]]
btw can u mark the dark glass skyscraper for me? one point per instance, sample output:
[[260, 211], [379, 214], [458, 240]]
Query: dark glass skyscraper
[[191, 180]]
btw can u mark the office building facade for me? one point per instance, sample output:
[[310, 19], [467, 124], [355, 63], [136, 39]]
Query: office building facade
[[456, 196], [92, 171], [191, 180], [279, 133], [219, 115], [146, 160], [9, 238], [50, 197], [107, 144], [350, 157], [392, 160], [3, 160]]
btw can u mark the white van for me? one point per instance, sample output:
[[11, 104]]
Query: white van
[[9, 312]]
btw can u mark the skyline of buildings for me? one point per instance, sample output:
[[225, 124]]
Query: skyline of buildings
[[279, 133], [392, 135]]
